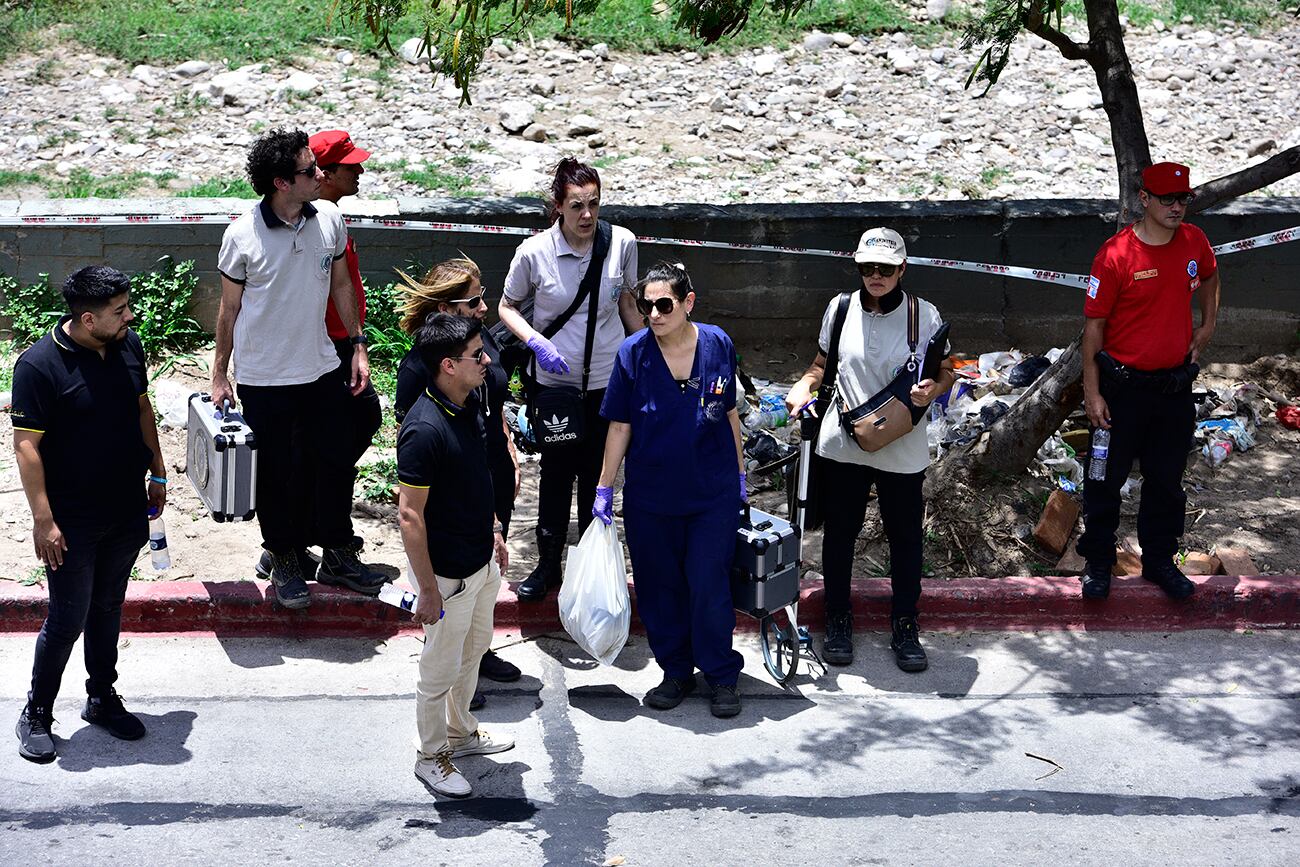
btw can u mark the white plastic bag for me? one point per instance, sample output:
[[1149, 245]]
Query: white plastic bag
[[594, 605]]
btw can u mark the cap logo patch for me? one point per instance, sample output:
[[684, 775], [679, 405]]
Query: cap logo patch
[[880, 242]]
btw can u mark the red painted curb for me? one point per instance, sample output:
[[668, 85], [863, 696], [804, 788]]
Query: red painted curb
[[243, 608]]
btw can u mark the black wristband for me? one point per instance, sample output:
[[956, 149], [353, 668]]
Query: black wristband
[[359, 340]]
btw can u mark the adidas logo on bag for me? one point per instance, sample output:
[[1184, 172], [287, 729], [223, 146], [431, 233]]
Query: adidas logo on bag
[[557, 427]]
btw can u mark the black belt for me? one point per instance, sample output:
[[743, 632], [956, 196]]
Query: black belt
[[1170, 380]]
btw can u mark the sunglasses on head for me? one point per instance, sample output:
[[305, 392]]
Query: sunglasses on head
[[1180, 198], [664, 305], [866, 269]]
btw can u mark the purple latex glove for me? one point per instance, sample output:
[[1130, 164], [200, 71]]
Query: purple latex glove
[[744, 493], [549, 358], [603, 507]]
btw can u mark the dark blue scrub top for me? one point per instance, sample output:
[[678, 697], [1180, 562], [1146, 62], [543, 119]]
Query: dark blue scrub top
[[682, 456]]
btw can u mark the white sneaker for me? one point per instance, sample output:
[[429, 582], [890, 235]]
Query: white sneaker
[[482, 744], [442, 776]]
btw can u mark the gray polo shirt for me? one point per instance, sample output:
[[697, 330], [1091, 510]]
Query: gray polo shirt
[[548, 268], [280, 336], [873, 346]]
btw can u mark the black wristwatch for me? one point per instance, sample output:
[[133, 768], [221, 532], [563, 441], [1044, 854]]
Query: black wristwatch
[[359, 340]]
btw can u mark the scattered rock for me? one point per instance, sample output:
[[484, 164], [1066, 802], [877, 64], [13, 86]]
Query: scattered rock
[[544, 86], [115, 94], [191, 68], [345, 57], [937, 9], [842, 39], [516, 115], [583, 125], [1057, 522], [299, 82], [817, 41], [414, 51], [535, 132], [766, 64], [601, 50], [1261, 147], [149, 76]]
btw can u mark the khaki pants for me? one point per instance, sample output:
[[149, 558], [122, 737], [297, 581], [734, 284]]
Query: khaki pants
[[449, 663]]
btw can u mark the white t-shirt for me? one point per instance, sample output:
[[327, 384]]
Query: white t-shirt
[[873, 346], [280, 336], [545, 265]]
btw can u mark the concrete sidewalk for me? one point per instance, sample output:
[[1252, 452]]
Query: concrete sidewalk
[[247, 608], [1063, 747]]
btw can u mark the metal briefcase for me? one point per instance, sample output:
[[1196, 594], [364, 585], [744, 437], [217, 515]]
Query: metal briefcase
[[221, 460], [765, 571]]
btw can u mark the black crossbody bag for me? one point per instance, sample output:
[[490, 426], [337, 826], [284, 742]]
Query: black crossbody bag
[[558, 412]]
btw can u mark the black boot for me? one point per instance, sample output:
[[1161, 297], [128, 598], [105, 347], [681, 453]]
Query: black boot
[[906, 644], [548, 574], [837, 649], [1096, 581]]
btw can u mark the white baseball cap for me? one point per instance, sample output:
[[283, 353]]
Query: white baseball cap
[[881, 245]]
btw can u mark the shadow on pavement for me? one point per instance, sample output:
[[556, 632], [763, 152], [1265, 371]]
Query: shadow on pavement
[[264, 653], [91, 747], [498, 799]]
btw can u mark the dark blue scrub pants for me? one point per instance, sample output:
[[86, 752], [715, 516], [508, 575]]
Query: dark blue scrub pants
[[86, 595], [681, 568]]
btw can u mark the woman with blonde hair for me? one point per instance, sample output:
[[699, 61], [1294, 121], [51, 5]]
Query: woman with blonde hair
[[455, 286]]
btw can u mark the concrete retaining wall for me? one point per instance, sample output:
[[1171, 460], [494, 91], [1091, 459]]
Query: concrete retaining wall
[[766, 301]]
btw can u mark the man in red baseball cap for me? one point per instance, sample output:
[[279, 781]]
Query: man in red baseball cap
[[1140, 356]]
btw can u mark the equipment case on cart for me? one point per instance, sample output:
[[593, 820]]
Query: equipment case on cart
[[765, 572], [221, 460]]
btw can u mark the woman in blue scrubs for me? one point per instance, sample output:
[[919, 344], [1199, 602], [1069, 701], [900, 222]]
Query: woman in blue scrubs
[[671, 406]]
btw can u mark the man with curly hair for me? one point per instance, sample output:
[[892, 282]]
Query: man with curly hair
[[280, 263]]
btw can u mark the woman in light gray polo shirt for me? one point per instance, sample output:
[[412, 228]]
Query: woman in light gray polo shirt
[[549, 268], [872, 348]]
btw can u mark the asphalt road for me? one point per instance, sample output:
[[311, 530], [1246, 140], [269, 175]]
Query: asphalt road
[[1181, 748]]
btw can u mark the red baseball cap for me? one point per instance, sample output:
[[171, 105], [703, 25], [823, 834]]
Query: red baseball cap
[[1163, 179], [334, 146]]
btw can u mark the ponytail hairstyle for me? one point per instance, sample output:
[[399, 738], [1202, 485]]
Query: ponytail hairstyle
[[446, 282], [569, 172], [672, 273]]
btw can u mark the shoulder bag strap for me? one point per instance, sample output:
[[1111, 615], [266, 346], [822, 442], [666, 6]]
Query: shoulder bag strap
[[833, 357], [913, 334], [591, 286]]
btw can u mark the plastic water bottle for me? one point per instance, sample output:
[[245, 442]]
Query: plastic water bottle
[[1097, 458], [398, 597], [158, 553], [771, 413]]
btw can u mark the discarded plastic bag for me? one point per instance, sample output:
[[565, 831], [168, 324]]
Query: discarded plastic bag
[[594, 606]]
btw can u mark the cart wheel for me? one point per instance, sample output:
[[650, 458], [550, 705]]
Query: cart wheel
[[780, 647]]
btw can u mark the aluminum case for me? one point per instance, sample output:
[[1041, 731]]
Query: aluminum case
[[221, 460]]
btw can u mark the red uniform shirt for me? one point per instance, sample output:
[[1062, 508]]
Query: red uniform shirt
[[333, 324], [1144, 294]]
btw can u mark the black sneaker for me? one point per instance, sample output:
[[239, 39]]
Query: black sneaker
[[725, 702], [495, 668], [478, 701], [342, 567], [290, 586], [107, 713], [837, 649], [669, 693], [1170, 579], [1096, 581], [35, 743], [906, 644], [306, 564]]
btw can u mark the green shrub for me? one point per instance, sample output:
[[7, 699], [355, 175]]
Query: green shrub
[[219, 188], [160, 300], [32, 309], [387, 341]]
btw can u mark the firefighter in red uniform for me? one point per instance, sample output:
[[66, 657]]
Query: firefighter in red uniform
[[1140, 356]]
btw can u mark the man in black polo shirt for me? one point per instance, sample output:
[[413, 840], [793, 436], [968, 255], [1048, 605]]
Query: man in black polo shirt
[[454, 546], [85, 438]]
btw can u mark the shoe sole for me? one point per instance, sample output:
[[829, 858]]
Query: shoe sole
[[659, 704], [436, 791], [113, 733], [294, 604], [1178, 595], [490, 751], [1096, 594], [912, 667], [835, 658], [728, 713], [364, 589]]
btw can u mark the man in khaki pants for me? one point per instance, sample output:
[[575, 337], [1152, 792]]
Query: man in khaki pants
[[454, 546]]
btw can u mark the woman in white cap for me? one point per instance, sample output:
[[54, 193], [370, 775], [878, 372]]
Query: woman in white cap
[[872, 347]]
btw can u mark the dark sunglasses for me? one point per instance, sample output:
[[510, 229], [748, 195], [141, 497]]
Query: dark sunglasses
[[866, 269], [480, 356], [664, 305], [1167, 201], [309, 172], [473, 302]]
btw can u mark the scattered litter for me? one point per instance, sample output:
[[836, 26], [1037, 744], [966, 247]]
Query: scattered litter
[[172, 403], [1058, 461], [1130, 487], [1289, 416], [614, 861], [1056, 768], [1027, 372]]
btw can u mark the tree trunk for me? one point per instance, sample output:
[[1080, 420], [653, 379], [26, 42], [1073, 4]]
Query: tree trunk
[[1128, 135]]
